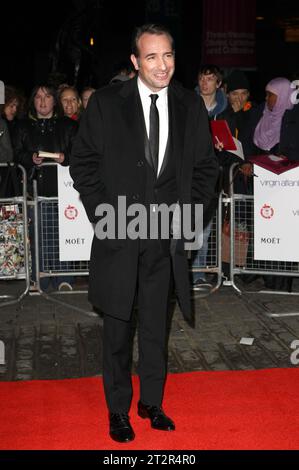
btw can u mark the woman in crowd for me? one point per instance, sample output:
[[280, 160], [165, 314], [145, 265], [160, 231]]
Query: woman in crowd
[[70, 102], [275, 130], [12, 110], [276, 124], [45, 131]]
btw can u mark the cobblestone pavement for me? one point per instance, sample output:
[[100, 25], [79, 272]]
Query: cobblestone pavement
[[47, 340]]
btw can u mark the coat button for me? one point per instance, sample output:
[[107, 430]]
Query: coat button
[[140, 163]]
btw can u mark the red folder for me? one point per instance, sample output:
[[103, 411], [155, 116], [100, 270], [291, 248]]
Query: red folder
[[276, 167], [221, 133]]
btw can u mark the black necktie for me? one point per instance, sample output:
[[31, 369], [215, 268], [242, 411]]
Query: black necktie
[[154, 131]]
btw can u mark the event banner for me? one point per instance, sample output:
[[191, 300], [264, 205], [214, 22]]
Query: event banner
[[75, 230], [276, 215], [229, 33]]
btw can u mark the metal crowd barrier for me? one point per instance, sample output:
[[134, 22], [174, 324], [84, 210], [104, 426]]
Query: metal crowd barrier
[[213, 265], [242, 260], [44, 234], [14, 242], [47, 243], [45, 248]]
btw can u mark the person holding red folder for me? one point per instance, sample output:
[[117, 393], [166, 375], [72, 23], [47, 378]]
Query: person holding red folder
[[209, 81], [238, 117]]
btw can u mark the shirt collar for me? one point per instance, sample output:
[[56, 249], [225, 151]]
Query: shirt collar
[[145, 91]]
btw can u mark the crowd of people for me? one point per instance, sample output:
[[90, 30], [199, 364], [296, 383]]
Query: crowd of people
[[271, 127], [225, 98], [49, 119]]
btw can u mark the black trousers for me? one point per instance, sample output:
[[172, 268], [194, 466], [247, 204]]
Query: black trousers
[[152, 294]]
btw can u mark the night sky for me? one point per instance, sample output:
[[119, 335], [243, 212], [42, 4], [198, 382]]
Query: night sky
[[29, 31]]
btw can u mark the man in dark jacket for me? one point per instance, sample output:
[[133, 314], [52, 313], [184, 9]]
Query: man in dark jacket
[[146, 139], [238, 115], [209, 81], [209, 88]]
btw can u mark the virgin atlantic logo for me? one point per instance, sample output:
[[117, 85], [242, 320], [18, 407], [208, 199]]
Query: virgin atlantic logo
[[267, 211], [71, 212]]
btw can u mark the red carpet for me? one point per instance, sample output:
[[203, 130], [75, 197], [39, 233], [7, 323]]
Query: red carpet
[[212, 410]]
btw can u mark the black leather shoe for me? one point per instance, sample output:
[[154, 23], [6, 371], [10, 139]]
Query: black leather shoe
[[120, 427], [158, 419]]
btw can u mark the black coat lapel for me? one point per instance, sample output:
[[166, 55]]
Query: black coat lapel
[[167, 153], [134, 119], [176, 132], [177, 123], [168, 150]]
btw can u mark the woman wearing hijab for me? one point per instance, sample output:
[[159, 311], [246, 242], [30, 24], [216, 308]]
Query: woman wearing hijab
[[277, 132]]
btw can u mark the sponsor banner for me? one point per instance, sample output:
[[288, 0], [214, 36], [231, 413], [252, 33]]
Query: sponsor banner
[[75, 230], [276, 215], [229, 33]]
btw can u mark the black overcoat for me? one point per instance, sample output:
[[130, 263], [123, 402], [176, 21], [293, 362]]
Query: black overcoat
[[108, 160]]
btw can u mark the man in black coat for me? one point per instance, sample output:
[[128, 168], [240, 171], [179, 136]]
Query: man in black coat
[[146, 139]]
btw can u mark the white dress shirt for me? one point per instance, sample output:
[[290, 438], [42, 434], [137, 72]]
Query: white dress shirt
[[162, 105]]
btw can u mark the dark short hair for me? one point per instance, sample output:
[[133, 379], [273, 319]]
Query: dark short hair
[[237, 80], [149, 28], [87, 88], [125, 66], [209, 69]]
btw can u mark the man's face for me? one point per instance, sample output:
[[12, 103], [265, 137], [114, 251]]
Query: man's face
[[208, 84], [155, 63]]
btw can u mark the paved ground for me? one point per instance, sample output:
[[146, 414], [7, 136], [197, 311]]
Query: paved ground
[[47, 340]]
